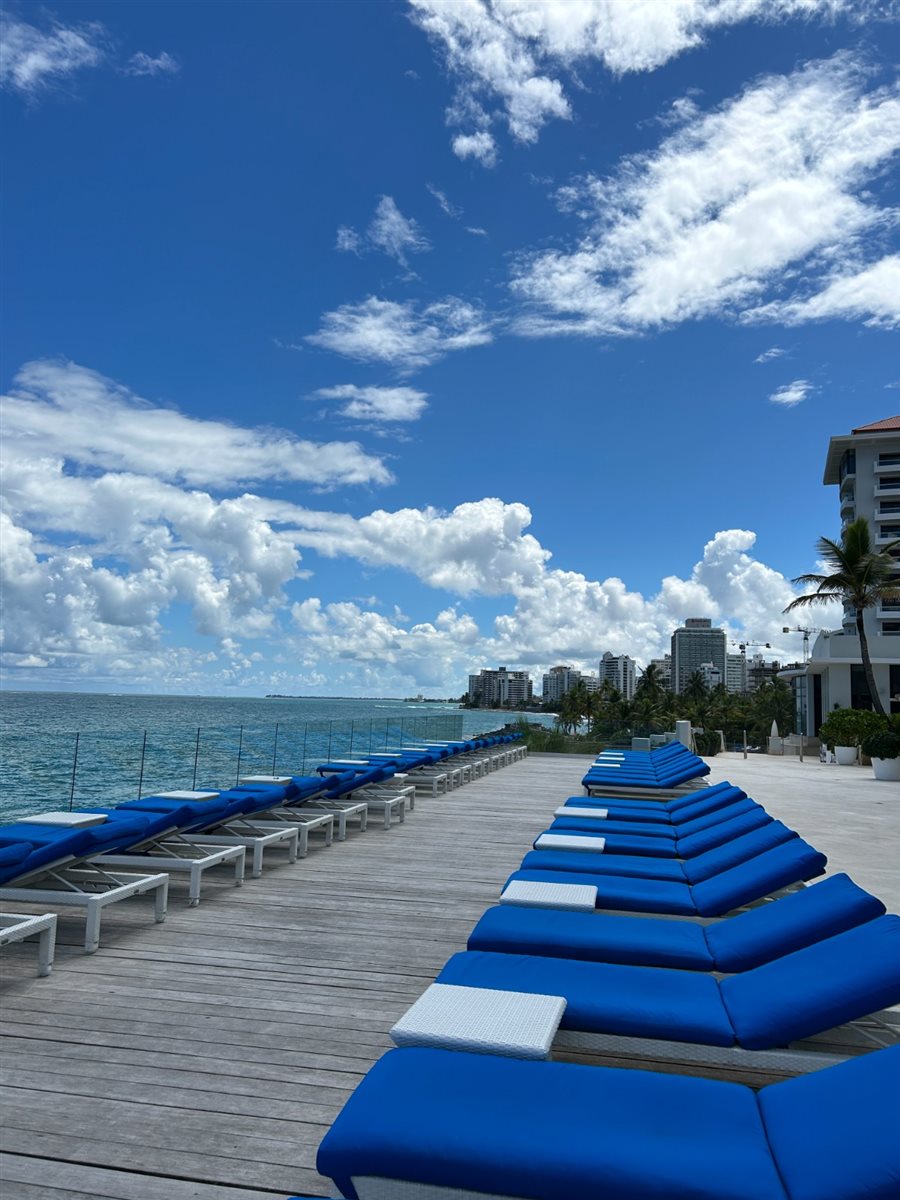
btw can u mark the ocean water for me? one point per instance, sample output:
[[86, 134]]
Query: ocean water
[[61, 750]]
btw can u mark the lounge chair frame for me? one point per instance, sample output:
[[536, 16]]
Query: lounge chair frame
[[180, 854], [16, 927], [89, 886]]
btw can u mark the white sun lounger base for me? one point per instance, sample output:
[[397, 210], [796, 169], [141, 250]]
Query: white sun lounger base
[[255, 842], [16, 927], [173, 859], [343, 813], [72, 892], [624, 790], [321, 821]]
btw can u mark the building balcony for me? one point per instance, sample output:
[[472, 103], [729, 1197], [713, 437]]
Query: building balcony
[[889, 491], [848, 482]]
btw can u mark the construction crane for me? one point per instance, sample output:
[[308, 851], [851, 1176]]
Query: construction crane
[[806, 631]]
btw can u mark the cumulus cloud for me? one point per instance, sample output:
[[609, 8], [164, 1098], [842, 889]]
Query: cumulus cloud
[[724, 214], [377, 403], [145, 64], [389, 231], [31, 59], [76, 413], [791, 393], [511, 53], [401, 334], [479, 145]]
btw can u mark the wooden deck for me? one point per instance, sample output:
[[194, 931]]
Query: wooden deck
[[207, 1057]]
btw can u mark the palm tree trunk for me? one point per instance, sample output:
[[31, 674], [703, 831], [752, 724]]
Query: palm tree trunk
[[867, 663]]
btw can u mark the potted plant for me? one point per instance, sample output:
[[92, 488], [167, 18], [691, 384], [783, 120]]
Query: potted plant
[[845, 728], [883, 748]]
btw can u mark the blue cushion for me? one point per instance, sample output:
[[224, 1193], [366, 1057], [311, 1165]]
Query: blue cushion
[[647, 829], [788, 924], [700, 840], [648, 1002], [595, 937], [834, 1133], [13, 857], [624, 865], [201, 812], [549, 1131], [737, 850], [689, 825], [845, 977], [629, 895], [767, 872], [155, 823]]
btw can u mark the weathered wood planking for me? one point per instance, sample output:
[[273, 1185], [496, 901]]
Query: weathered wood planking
[[206, 1057]]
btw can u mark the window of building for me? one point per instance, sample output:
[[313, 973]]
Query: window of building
[[894, 687], [889, 483], [848, 463], [860, 697], [890, 627], [890, 458]]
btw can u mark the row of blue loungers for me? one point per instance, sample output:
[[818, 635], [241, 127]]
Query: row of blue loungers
[[98, 856], [693, 940]]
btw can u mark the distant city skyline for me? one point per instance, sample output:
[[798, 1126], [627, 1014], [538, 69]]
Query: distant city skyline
[[399, 340]]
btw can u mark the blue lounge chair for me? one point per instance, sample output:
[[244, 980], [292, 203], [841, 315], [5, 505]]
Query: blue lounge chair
[[739, 943], [695, 868], [781, 867], [681, 808], [668, 841], [491, 1126], [653, 1012], [63, 866]]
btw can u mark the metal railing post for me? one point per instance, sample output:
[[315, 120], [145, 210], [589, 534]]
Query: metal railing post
[[237, 774], [74, 769], [143, 756], [275, 747], [196, 760]]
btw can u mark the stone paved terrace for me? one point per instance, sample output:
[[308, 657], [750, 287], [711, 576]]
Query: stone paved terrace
[[205, 1058]]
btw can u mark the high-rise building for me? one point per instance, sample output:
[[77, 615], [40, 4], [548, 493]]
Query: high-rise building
[[736, 674], [865, 467], [618, 669], [557, 682], [496, 689], [693, 644], [663, 669], [710, 674]]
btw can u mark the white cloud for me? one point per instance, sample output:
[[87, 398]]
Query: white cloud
[[479, 145], [770, 354], [348, 240], [389, 231], [75, 413], [871, 295], [377, 403], [446, 205], [731, 207], [395, 234], [386, 331], [32, 59], [792, 393], [476, 231], [510, 52], [146, 64]]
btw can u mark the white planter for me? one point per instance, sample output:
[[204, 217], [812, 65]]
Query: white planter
[[887, 769], [845, 755]]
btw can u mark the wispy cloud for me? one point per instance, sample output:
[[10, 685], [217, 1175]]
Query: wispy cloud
[[476, 231], [389, 231], [729, 211], [31, 59], [146, 64], [768, 355], [446, 205], [402, 335], [792, 393], [380, 404], [511, 55]]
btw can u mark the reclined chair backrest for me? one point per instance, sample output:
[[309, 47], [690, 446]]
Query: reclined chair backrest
[[738, 850], [800, 919], [768, 872]]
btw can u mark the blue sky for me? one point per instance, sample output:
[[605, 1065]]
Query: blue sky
[[352, 347]]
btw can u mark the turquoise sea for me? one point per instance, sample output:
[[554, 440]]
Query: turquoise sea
[[67, 749]]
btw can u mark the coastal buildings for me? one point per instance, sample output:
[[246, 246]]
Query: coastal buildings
[[694, 644], [560, 680], [619, 670], [736, 673], [500, 688], [663, 670], [864, 465]]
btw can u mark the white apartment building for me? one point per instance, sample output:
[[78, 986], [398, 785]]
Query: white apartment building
[[498, 688], [664, 670], [736, 674], [865, 467], [693, 644], [619, 670], [711, 675], [557, 682]]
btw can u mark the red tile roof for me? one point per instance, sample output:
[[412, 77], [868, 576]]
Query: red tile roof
[[878, 426]]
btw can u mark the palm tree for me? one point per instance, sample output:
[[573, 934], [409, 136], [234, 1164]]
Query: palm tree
[[859, 577]]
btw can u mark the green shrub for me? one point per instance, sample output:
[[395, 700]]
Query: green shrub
[[850, 726], [707, 743], [882, 744]]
